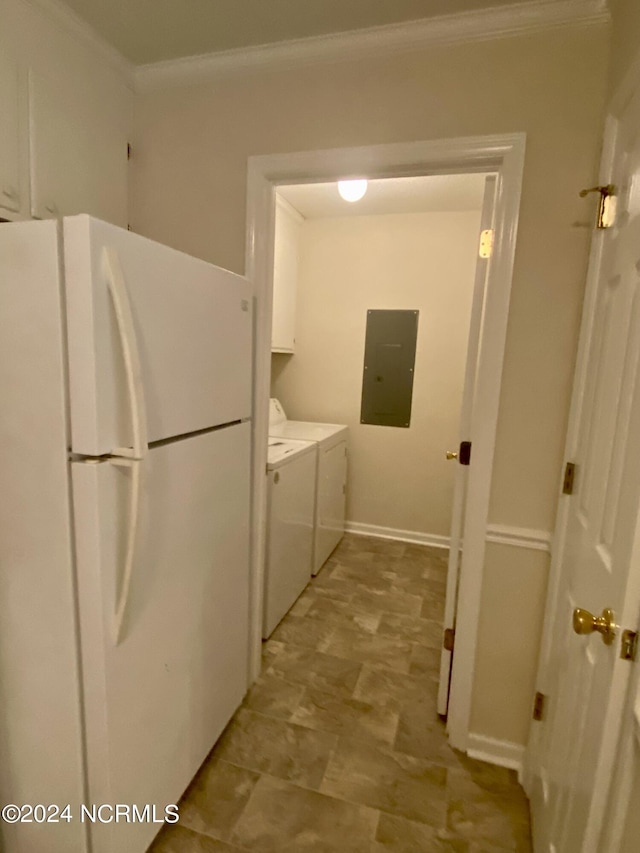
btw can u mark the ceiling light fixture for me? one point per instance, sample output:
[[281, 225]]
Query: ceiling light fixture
[[352, 190]]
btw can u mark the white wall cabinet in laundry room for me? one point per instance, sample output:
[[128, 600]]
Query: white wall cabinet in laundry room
[[78, 158], [13, 137], [285, 276]]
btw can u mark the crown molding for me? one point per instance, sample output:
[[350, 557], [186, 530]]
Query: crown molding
[[65, 18], [485, 24]]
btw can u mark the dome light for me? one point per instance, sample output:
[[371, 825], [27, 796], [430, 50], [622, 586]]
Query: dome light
[[352, 190]]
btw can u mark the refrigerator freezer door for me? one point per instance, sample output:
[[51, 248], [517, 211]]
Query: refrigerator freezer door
[[192, 327], [156, 702]]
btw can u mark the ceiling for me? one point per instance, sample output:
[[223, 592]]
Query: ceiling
[[424, 194], [146, 31]]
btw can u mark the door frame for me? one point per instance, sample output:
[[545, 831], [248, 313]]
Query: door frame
[[503, 154], [464, 431]]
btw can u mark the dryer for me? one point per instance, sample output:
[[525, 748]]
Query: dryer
[[291, 467], [332, 441]]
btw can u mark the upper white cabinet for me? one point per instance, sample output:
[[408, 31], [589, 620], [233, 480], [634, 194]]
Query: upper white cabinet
[[78, 160], [12, 134], [285, 276], [66, 115]]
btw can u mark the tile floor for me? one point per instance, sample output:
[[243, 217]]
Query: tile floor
[[338, 747]]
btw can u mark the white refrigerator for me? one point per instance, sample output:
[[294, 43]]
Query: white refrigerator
[[125, 386]]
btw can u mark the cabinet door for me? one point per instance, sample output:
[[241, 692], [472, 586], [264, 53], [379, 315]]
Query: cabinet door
[[78, 159], [285, 276], [10, 133]]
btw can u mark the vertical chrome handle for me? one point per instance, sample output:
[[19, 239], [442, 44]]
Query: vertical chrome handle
[[131, 457]]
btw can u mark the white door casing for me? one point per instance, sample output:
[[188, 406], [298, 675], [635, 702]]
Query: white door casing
[[464, 432], [503, 155], [571, 753]]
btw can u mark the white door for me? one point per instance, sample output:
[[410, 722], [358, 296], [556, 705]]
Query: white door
[[573, 748], [460, 487], [622, 817], [156, 701], [187, 316]]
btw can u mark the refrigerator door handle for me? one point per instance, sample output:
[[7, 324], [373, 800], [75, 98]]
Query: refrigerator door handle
[[122, 600], [131, 457], [118, 291]]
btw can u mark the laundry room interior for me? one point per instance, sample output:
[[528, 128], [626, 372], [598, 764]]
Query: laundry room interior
[[410, 244]]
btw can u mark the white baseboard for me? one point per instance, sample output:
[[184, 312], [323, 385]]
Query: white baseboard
[[500, 534], [413, 536], [504, 753], [519, 537]]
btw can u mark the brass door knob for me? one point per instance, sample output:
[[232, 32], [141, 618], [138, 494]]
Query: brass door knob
[[586, 623], [452, 454]]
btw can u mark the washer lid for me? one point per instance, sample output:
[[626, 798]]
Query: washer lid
[[281, 451], [309, 431]]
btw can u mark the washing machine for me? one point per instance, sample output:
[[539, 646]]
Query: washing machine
[[332, 441], [291, 467]]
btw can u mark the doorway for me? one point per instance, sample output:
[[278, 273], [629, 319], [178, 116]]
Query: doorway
[[502, 155], [409, 246]]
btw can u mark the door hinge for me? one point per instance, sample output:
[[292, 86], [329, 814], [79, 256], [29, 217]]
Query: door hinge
[[464, 455], [486, 243], [629, 645], [449, 639], [128, 151], [569, 478], [539, 704], [606, 216]]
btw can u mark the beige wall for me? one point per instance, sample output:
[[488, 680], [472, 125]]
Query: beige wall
[[398, 478], [506, 663], [625, 39], [189, 188]]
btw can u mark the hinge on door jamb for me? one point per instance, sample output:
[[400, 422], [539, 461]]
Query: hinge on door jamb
[[569, 477], [539, 706], [449, 639], [486, 243], [629, 645]]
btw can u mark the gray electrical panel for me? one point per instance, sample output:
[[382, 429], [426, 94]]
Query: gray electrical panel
[[389, 359]]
